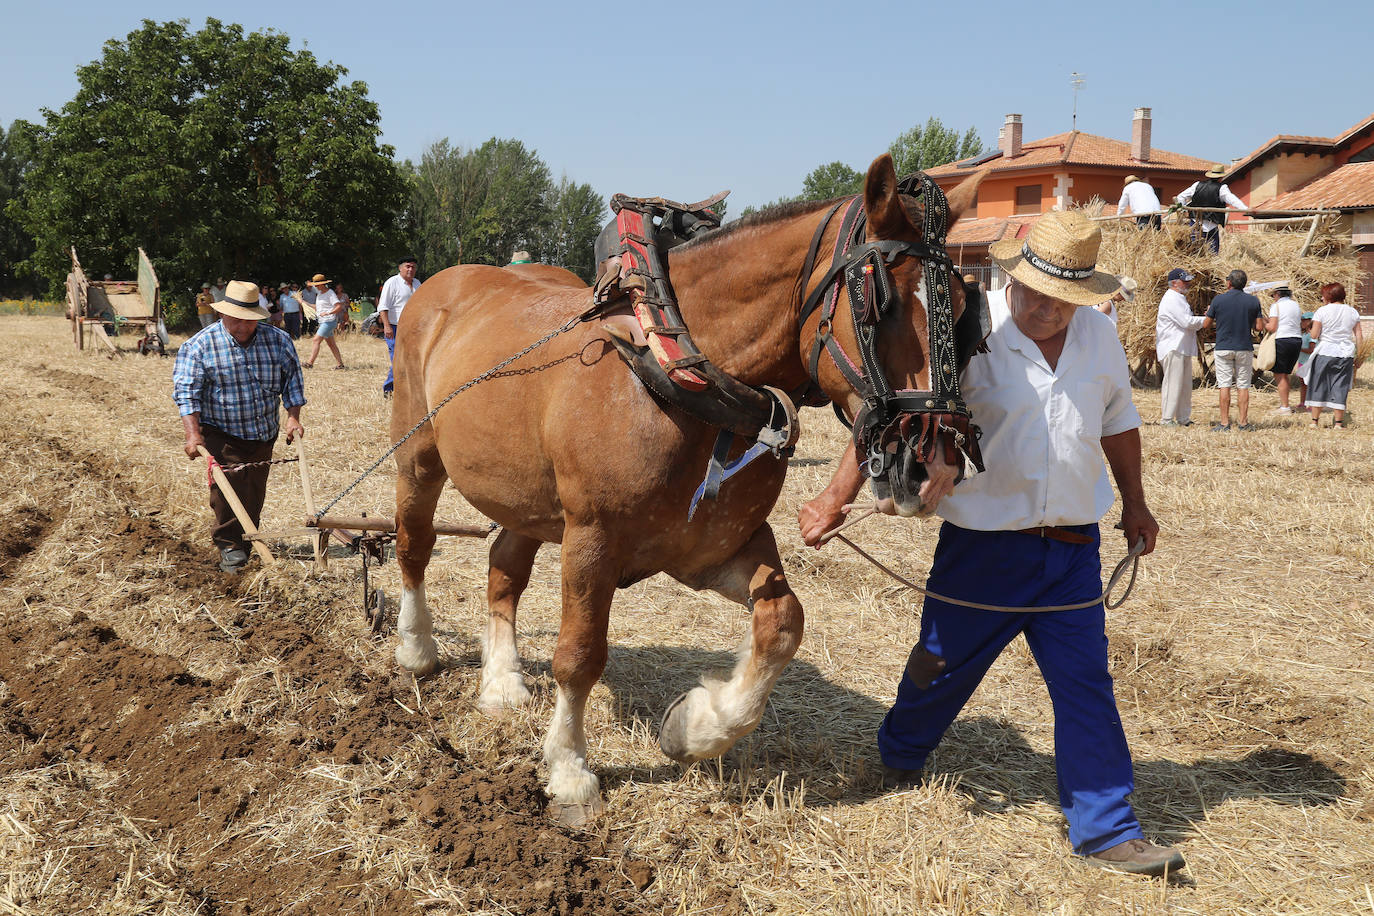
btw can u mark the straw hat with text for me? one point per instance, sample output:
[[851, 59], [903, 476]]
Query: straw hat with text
[[241, 301], [1058, 258]]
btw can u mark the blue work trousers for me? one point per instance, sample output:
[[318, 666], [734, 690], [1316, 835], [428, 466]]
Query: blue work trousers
[[390, 361], [1010, 569]]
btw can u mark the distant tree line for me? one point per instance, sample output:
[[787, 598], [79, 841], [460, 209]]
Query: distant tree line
[[922, 147], [226, 154]]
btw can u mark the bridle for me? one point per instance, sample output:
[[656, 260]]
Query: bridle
[[921, 418]]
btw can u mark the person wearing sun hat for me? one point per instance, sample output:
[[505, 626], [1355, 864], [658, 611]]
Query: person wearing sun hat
[[1125, 294], [1052, 394], [1209, 193], [1138, 197], [328, 310], [205, 306], [228, 382]]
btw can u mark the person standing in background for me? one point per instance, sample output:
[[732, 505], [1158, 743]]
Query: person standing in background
[[1285, 323], [327, 309], [1176, 330], [1236, 314], [205, 307], [1139, 198], [396, 292]]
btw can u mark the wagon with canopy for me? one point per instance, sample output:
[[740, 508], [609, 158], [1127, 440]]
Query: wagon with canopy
[[103, 307]]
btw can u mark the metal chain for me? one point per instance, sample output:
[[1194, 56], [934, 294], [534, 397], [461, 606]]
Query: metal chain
[[572, 323]]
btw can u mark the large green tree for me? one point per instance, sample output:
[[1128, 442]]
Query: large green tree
[[222, 154], [16, 244], [834, 179], [925, 146], [479, 206], [576, 217]]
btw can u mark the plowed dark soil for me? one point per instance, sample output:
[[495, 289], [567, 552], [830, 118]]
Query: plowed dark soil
[[188, 773]]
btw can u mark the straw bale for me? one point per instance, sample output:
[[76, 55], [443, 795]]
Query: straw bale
[[1265, 254]]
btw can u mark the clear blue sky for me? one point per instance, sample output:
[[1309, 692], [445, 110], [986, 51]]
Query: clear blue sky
[[697, 97]]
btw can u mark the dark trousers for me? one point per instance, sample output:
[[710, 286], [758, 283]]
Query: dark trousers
[[1006, 568], [293, 324], [1148, 220], [250, 484]]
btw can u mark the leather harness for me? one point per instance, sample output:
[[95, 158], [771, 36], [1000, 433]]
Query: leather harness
[[939, 415], [669, 364]]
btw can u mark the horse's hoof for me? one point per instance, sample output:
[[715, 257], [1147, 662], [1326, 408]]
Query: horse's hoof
[[577, 814], [501, 695], [417, 661], [672, 732]]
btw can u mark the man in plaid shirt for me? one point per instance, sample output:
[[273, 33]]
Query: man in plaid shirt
[[227, 383]]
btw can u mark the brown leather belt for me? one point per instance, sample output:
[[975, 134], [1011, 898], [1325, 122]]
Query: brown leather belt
[[1057, 534]]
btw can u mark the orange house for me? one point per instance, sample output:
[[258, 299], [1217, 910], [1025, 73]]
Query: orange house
[[1027, 179], [1309, 173]]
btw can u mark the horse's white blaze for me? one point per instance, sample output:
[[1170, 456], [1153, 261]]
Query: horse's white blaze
[[417, 650], [565, 754], [503, 685]]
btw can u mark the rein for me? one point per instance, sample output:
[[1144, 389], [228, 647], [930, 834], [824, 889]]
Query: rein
[[1132, 556]]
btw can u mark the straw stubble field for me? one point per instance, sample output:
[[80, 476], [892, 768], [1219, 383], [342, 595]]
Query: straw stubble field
[[175, 741]]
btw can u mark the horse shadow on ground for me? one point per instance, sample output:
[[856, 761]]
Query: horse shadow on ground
[[826, 733]]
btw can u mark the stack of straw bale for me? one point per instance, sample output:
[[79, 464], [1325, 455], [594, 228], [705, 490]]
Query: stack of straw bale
[[1264, 254]]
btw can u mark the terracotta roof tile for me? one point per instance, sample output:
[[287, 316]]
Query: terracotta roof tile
[[987, 230], [1078, 148], [1276, 143], [1347, 187]]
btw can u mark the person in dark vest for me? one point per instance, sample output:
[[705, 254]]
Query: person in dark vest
[[1206, 195]]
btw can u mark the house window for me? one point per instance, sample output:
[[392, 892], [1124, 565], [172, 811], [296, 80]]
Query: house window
[[1028, 199]]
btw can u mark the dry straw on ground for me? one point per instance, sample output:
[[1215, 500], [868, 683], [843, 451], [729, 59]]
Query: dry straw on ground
[[1265, 254], [1242, 664]]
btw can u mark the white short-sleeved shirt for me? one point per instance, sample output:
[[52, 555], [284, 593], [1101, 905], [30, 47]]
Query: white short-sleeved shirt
[[395, 294], [1042, 427], [1338, 329], [327, 304], [1138, 197], [1289, 314]]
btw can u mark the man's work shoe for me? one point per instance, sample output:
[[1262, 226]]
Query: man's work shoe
[[232, 559], [900, 780], [1137, 857]]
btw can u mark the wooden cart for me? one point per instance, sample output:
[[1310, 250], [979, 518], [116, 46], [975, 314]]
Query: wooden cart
[[102, 307]]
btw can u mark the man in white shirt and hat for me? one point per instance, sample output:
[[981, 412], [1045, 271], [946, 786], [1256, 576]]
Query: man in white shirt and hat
[[1052, 395], [1139, 198], [1212, 197], [396, 292], [1176, 330]]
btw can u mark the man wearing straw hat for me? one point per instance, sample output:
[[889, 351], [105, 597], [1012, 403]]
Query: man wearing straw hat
[[227, 383], [1052, 394], [1125, 294], [1210, 194], [1139, 198]]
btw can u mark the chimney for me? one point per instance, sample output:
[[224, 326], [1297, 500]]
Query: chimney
[[1009, 137], [1140, 135]]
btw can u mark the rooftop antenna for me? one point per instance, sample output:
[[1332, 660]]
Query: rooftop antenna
[[1076, 81]]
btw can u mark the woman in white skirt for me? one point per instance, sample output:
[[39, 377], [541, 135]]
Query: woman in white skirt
[[1336, 329]]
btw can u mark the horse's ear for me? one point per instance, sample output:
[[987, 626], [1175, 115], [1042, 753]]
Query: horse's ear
[[882, 204], [965, 194]]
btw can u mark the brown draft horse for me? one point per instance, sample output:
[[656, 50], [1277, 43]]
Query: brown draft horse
[[568, 447]]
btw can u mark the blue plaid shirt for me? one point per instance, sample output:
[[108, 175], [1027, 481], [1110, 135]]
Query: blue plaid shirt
[[235, 387]]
